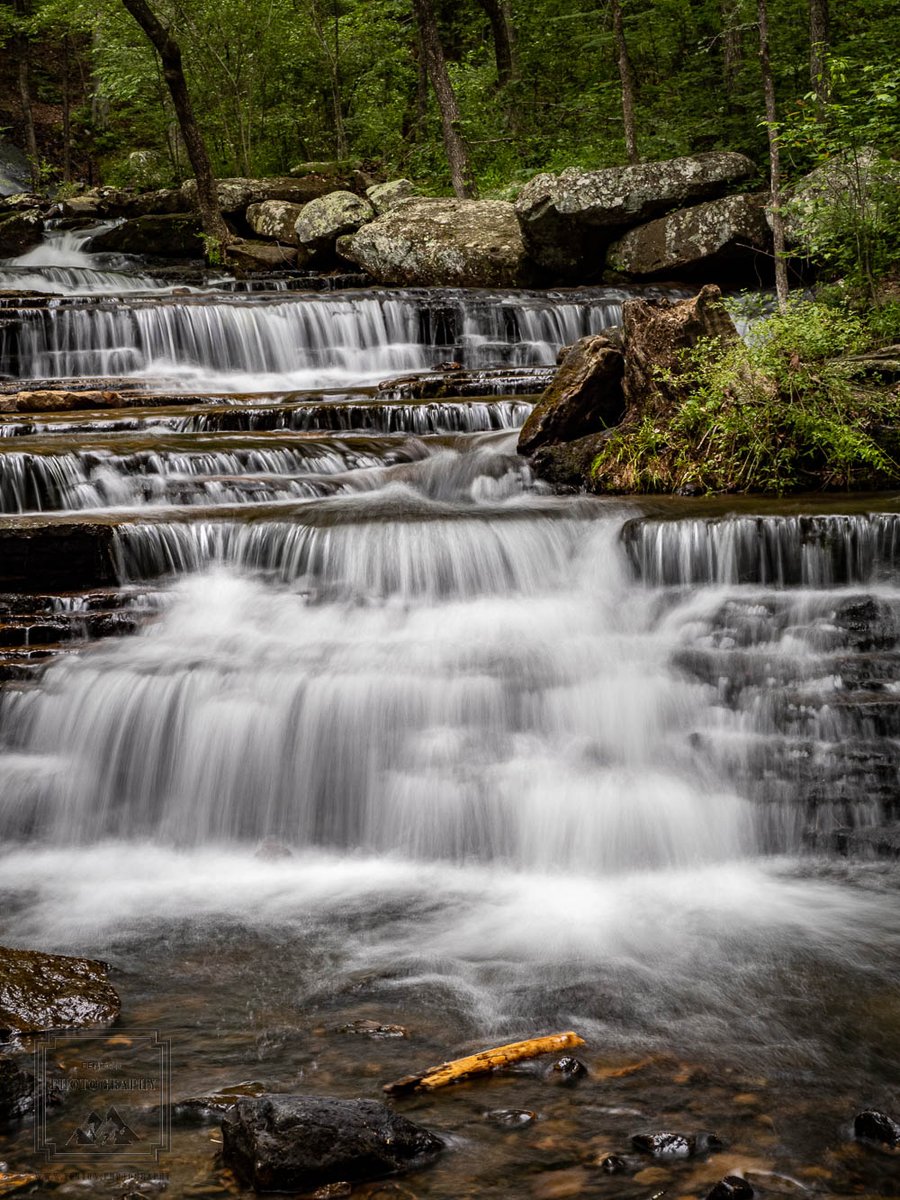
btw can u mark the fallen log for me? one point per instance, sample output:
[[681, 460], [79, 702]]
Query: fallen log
[[482, 1063]]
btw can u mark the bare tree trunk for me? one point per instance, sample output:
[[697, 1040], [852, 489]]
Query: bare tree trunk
[[457, 152], [504, 41], [731, 46], [781, 280], [819, 25], [626, 76], [170, 55], [23, 54], [332, 51], [67, 114]]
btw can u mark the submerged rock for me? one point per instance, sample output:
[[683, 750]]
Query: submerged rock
[[16, 1091], [663, 1144], [585, 396], [732, 1187], [175, 235], [442, 243], [874, 1126], [511, 1118], [53, 991], [567, 220], [724, 240], [323, 221], [295, 1143], [567, 1070]]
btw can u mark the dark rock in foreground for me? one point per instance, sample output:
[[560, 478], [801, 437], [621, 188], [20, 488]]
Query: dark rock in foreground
[[173, 235], [296, 1143], [53, 991], [585, 396], [16, 1092], [874, 1126], [19, 231]]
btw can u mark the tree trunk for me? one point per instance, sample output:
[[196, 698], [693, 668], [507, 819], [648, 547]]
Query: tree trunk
[[818, 52], [501, 28], [23, 54], [626, 75], [170, 55], [457, 152], [781, 280], [731, 47], [67, 114]]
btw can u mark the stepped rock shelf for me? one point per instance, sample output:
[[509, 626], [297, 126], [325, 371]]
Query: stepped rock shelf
[[348, 745]]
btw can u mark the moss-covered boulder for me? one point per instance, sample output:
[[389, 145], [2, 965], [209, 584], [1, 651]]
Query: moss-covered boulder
[[19, 231], [428, 242], [53, 991], [235, 195], [275, 219], [175, 235], [383, 196], [323, 221], [569, 219], [725, 241]]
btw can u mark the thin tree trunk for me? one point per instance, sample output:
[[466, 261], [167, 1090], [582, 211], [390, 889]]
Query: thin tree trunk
[[23, 54], [170, 55], [626, 76], [504, 41], [819, 24], [731, 47], [66, 114], [781, 280], [457, 152]]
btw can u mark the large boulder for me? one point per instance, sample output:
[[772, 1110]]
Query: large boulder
[[584, 398], [725, 241], [656, 336], [19, 231], [236, 194], [832, 198], [442, 243], [298, 1143], [275, 219], [323, 221], [174, 235], [568, 219], [53, 991], [383, 196]]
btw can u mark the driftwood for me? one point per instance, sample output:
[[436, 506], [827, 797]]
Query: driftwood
[[482, 1063]]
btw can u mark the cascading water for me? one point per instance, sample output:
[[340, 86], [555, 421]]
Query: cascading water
[[516, 761]]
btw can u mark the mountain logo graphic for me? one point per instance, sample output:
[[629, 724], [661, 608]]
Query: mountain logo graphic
[[108, 1130]]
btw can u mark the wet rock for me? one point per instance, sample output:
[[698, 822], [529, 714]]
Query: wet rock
[[442, 243], [612, 1164], [295, 1143], [732, 1187], [372, 1029], [567, 465], [494, 381], [567, 1070], [568, 220], [175, 235], [198, 1109], [266, 256], [16, 1091], [664, 1144], [53, 991], [275, 219], [20, 201], [511, 1118], [323, 221], [236, 194], [874, 1126], [585, 397], [383, 196], [726, 241], [19, 231], [57, 400]]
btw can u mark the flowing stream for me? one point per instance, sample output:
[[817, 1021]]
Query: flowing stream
[[400, 735]]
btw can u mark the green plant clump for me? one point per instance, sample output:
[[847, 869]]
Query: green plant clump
[[791, 408]]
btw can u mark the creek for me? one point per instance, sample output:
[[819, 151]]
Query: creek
[[539, 761]]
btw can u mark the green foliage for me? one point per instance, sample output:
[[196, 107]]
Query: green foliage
[[785, 410]]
